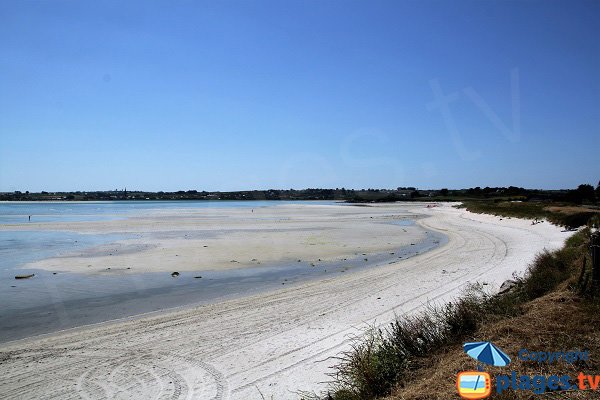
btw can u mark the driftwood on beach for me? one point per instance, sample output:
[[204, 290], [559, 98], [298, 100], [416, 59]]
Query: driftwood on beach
[[24, 276]]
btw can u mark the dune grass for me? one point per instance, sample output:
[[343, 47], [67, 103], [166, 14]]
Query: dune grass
[[393, 359], [566, 215]]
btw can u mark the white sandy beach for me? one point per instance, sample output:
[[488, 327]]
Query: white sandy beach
[[271, 344]]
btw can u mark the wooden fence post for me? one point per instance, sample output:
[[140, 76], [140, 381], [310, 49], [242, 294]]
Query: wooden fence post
[[595, 254]]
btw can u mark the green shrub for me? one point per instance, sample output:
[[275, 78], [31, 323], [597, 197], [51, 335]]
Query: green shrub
[[381, 358]]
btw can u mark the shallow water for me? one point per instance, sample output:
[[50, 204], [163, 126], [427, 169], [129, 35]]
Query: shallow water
[[21, 247], [76, 211], [54, 301]]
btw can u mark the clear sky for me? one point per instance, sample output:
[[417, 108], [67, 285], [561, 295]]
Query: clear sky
[[232, 95]]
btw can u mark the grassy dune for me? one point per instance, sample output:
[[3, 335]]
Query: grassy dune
[[566, 215], [552, 307]]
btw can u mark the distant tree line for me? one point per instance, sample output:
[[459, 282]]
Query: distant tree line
[[583, 194]]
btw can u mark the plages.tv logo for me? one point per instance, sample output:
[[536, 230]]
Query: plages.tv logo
[[474, 384], [478, 384]]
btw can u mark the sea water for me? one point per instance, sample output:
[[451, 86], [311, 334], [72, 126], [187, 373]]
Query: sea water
[[79, 211], [51, 302]]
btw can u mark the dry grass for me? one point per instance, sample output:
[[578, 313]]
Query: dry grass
[[552, 308], [557, 321], [571, 209], [569, 216]]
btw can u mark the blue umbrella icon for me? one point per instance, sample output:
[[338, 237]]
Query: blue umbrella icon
[[487, 353]]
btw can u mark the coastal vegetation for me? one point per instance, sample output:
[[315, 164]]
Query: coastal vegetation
[[553, 306], [564, 214], [571, 208]]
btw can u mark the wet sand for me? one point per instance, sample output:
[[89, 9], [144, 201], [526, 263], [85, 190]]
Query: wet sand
[[111, 269], [216, 239], [282, 340]]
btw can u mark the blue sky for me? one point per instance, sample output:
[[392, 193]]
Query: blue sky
[[232, 95]]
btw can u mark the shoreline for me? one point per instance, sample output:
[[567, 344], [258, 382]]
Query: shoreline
[[277, 342], [205, 239], [237, 296], [121, 284], [143, 293]]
